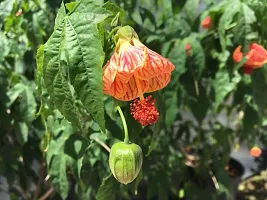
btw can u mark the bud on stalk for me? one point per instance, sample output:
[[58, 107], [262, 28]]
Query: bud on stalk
[[125, 161]]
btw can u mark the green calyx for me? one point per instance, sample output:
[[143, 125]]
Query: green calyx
[[126, 33], [125, 161]]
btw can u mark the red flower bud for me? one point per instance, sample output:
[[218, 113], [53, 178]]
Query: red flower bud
[[206, 23]]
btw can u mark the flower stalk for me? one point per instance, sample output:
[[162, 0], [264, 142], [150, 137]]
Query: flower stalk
[[126, 135]]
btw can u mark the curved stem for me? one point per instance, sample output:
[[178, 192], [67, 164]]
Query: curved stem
[[126, 135]]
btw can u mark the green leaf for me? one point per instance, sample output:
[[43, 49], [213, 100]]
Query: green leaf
[[223, 85], [60, 16], [70, 6], [75, 147], [250, 121], [197, 57], [22, 132], [27, 105], [14, 92], [156, 128], [243, 30], [73, 62], [58, 175], [172, 107], [114, 9], [5, 46], [259, 85], [231, 9], [178, 57], [202, 99], [56, 78], [39, 63], [107, 189], [191, 9]]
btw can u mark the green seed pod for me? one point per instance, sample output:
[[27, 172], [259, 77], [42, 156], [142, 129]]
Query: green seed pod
[[125, 161]]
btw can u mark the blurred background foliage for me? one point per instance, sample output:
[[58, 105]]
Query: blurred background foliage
[[208, 108]]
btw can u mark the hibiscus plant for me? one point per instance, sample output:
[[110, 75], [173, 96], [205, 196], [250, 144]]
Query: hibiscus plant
[[129, 99]]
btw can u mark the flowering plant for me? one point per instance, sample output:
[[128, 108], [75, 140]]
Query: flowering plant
[[130, 99]]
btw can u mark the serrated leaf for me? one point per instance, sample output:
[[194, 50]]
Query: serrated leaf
[[74, 57], [60, 16], [86, 57], [107, 189], [56, 78], [223, 85]]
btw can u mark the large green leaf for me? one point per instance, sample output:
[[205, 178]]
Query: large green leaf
[[73, 59]]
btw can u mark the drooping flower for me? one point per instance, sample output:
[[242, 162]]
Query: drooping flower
[[133, 70], [255, 151], [206, 23], [256, 57]]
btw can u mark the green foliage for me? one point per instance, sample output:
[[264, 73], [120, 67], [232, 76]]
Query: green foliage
[[54, 113]]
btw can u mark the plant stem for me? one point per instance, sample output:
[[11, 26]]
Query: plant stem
[[47, 194], [126, 135], [102, 144]]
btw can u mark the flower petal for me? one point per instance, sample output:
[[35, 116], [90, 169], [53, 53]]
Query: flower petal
[[117, 89], [134, 91], [109, 73], [158, 82], [237, 55], [154, 64]]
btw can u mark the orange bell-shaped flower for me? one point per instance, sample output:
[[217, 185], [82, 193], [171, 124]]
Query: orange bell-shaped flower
[[256, 57], [133, 70]]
